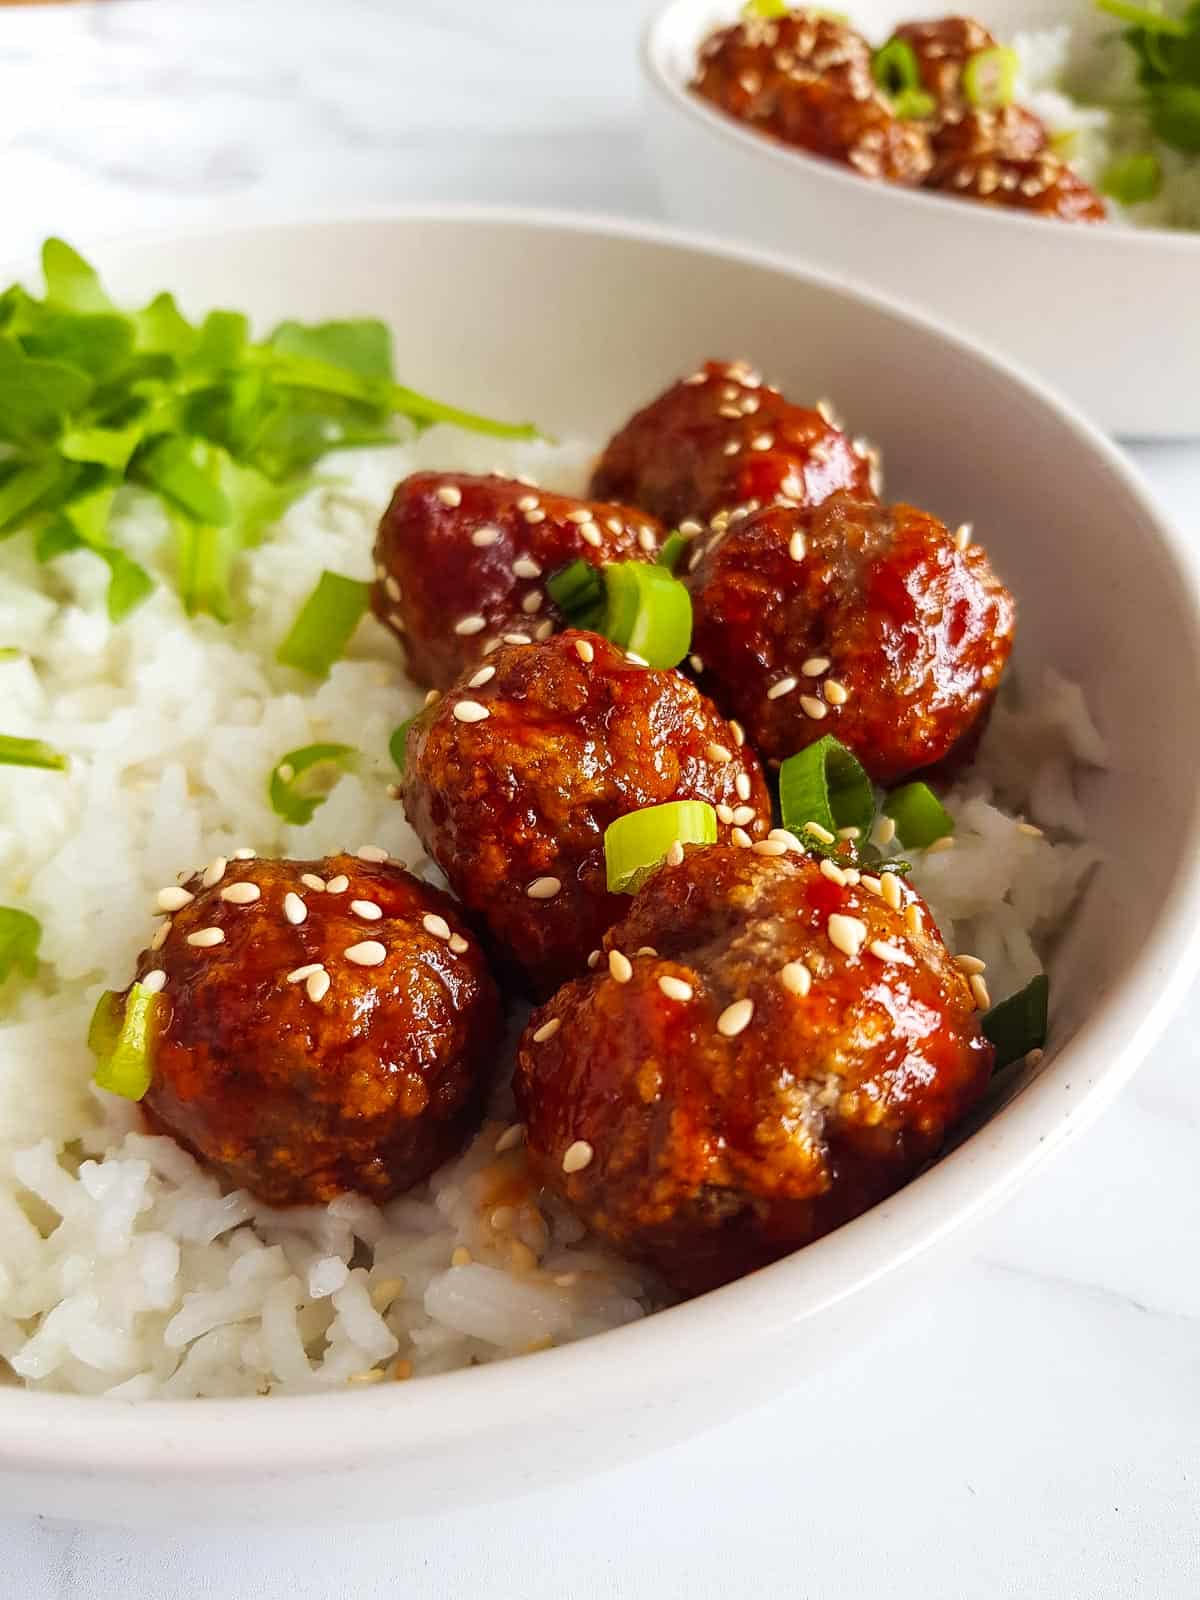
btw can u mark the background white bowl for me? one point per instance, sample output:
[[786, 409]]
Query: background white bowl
[[576, 322], [1106, 313]]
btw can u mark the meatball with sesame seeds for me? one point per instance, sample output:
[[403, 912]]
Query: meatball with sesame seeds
[[462, 561], [720, 440], [510, 784], [873, 623], [806, 79], [794, 1048], [327, 1026]]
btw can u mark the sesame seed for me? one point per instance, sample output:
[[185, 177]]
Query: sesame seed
[[890, 952], [770, 847], [338, 885], [294, 909], [675, 988], [449, 494], [577, 1156], [370, 953], [645, 540], [811, 707], [782, 687], [205, 938], [815, 666], [796, 978], [543, 631], [316, 986], [437, 926], [786, 838], [846, 934], [833, 872], [585, 651], [466, 626], [731, 447], [971, 964], [696, 664], [742, 786], [502, 1218], [797, 547], [818, 832], [872, 884], [946, 842], [214, 872], [1030, 830], [285, 771], [397, 620], [370, 1375], [637, 660], [912, 916], [593, 960], [241, 894], [460, 1256], [690, 528], [763, 441], [298, 974], [725, 814], [367, 910], [311, 881], [532, 602], [849, 833], [516, 638], [735, 1018], [719, 753], [749, 404], [537, 515], [620, 967], [245, 854], [614, 525], [695, 378], [675, 854], [528, 502], [432, 696], [544, 888], [590, 534], [852, 876], [523, 477], [836, 693], [458, 944], [979, 990], [471, 711], [154, 982], [1034, 1057], [482, 537], [547, 1030], [160, 937], [173, 899], [962, 536], [740, 837], [391, 588], [738, 732], [889, 887], [884, 831], [743, 815], [734, 413], [510, 1138], [581, 514]]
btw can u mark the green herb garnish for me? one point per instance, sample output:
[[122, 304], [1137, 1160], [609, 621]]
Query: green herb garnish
[[398, 743], [641, 607], [16, 752], [301, 780], [989, 78], [634, 845], [1167, 51], [122, 1038], [826, 785], [224, 430], [1018, 1025], [1133, 180], [20, 936], [325, 622], [919, 815], [672, 550]]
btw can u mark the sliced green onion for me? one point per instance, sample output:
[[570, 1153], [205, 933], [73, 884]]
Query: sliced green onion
[[636, 844], [919, 815], [20, 935], [124, 1044], [825, 784], [672, 550], [398, 743], [9, 652], [989, 78], [1133, 180], [325, 623], [765, 8], [911, 105], [649, 612], [1152, 21], [894, 67], [1175, 116], [1018, 1025], [576, 589], [302, 779], [16, 752]]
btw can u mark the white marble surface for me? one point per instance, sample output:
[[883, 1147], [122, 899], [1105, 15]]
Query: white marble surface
[[1033, 1427]]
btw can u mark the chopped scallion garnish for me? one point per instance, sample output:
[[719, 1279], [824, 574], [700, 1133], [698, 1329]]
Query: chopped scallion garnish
[[919, 815], [824, 783], [636, 844], [325, 623], [672, 550], [1018, 1025], [302, 779], [576, 589], [398, 743], [20, 936], [649, 612], [122, 1037], [765, 8], [911, 105], [1149, 19], [894, 67], [989, 78], [16, 752]]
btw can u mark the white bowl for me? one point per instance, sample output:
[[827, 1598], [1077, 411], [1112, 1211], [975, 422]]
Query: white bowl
[[577, 322], [1106, 312]]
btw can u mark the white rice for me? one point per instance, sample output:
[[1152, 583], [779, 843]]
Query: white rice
[[1070, 76], [124, 1269]]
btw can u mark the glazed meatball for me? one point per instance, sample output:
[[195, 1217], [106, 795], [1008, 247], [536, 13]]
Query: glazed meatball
[[327, 1026], [721, 439], [806, 78], [794, 1049], [873, 623], [461, 561], [511, 779], [942, 47], [1043, 184]]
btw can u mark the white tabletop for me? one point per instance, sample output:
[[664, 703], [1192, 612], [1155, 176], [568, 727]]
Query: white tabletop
[[1031, 1426]]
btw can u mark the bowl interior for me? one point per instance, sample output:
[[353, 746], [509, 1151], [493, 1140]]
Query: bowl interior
[[576, 324]]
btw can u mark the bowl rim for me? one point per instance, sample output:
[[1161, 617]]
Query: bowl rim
[[207, 1440], [822, 171]]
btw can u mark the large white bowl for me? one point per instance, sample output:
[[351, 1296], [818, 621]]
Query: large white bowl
[[576, 322], [1106, 313]]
